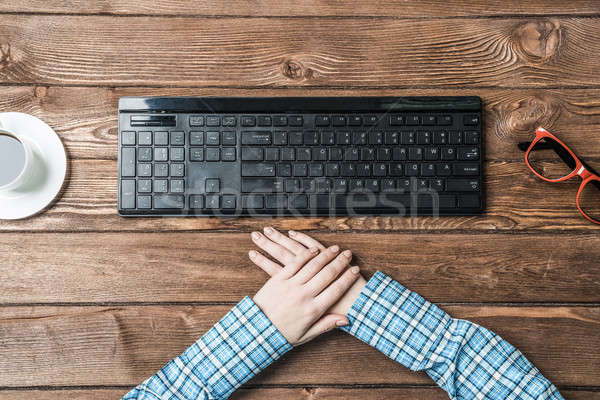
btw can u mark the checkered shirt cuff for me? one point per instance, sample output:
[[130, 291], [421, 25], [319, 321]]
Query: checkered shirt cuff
[[235, 349], [466, 360]]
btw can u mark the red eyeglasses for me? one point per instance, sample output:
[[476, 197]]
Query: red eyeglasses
[[553, 161]]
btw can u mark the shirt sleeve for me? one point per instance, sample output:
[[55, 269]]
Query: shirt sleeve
[[465, 359], [235, 349]]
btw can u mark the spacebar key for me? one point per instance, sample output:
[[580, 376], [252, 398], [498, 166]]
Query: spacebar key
[[258, 169], [163, 201]]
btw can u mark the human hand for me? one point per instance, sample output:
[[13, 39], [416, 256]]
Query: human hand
[[284, 249], [297, 296]]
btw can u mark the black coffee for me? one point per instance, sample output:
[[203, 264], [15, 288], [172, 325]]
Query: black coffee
[[12, 158]]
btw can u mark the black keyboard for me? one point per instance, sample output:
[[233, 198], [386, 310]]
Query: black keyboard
[[300, 156]]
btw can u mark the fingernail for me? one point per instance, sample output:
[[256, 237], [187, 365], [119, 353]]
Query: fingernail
[[252, 253], [292, 233], [347, 253], [355, 270], [255, 235], [335, 248], [341, 322], [268, 230], [314, 250]]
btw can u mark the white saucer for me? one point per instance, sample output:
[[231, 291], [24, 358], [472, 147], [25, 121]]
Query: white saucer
[[52, 166]]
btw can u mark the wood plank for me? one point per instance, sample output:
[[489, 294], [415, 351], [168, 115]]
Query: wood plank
[[516, 200], [86, 118], [285, 52], [313, 393], [191, 267], [124, 345], [382, 8]]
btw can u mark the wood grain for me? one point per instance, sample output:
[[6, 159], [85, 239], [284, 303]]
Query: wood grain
[[516, 200], [387, 8], [124, 345], [191, 267], [312, 393], [307, 52], [86, 118]]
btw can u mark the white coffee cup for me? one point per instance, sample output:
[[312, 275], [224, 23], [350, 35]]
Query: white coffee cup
[[24, 177]]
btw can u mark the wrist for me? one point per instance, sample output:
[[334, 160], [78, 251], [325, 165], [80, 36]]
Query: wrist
[[344, 305]]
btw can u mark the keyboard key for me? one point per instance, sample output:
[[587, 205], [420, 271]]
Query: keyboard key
[[392, 138], [351, 154], [315, 170], [296, 120], [229, 138], [144, 186], [469, 201], [384, 154], [212, 185], [284, 169], [335, 154], [262, 185], [166, 201], [300, 169], [288, 154], [292, 185], [396, 120], [413, 120], [372, 185], [258, 169], [438, 185], [355, 120], [144, 202], [196, 120], [161, 138], [363, 169], [280, 120], [322, 120], [212, 201], [272, 154], [415, 153], [327, 138], [145, 170], [279, 138], [388, 185], [162, 153], [256, 138], [212, 138], [412, 169], [303, 154], [228, 202], [396, 169], [196, 138], [229, 121], [177, 186], [432, 153], [455, 137], [360, 138], [370, 120], [444, 169], [177, 138], [448, 153], [343, 138], [340, 185], [319, 154], [128, 161], [468, 153], [471, 120], [196, 154], [310, 138], [253, 202], [248, 121], [367, 154], [298, 201], [466, 169], [295, 138], [399, 154], [128, 138], [161, 186], [127, 193], [161, 170], [424, 137], [145, 154], [471, 137], [462, 185], [428, 169], [379, 169], [145, 138], [228, 154], [177, 154], [376, 138], [440, 137], [445, 120], [407, 137], [177, 170], [348, 170], [339, 120], [264, 120], [196, 201], [332, 169], [213, 120], [429, 120], [276, 201], [252, 154]]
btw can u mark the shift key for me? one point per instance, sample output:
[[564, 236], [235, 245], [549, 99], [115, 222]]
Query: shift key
[[258, 169], [462, 185]]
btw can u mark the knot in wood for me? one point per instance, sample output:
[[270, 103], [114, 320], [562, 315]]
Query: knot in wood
[[294, 70], [538, 41], [531, 112]]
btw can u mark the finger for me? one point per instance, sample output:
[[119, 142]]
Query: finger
[[336, 290], [283, 240], [301, 258], [329, 272], [264, 263], [316, 264], [275, 250], [326, 323], [306, 240]]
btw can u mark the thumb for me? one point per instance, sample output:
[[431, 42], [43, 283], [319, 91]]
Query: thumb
[[326, 323]]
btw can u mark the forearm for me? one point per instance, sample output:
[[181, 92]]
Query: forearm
[[466, 360], [236, 348]]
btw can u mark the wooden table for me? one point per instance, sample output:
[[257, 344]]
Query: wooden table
[[92, 304]]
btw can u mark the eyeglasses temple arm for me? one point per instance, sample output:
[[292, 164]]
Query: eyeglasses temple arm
[[558, 149]]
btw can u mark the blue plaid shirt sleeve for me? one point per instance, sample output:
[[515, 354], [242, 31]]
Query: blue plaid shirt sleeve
[[464, 359], [236, 348]]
